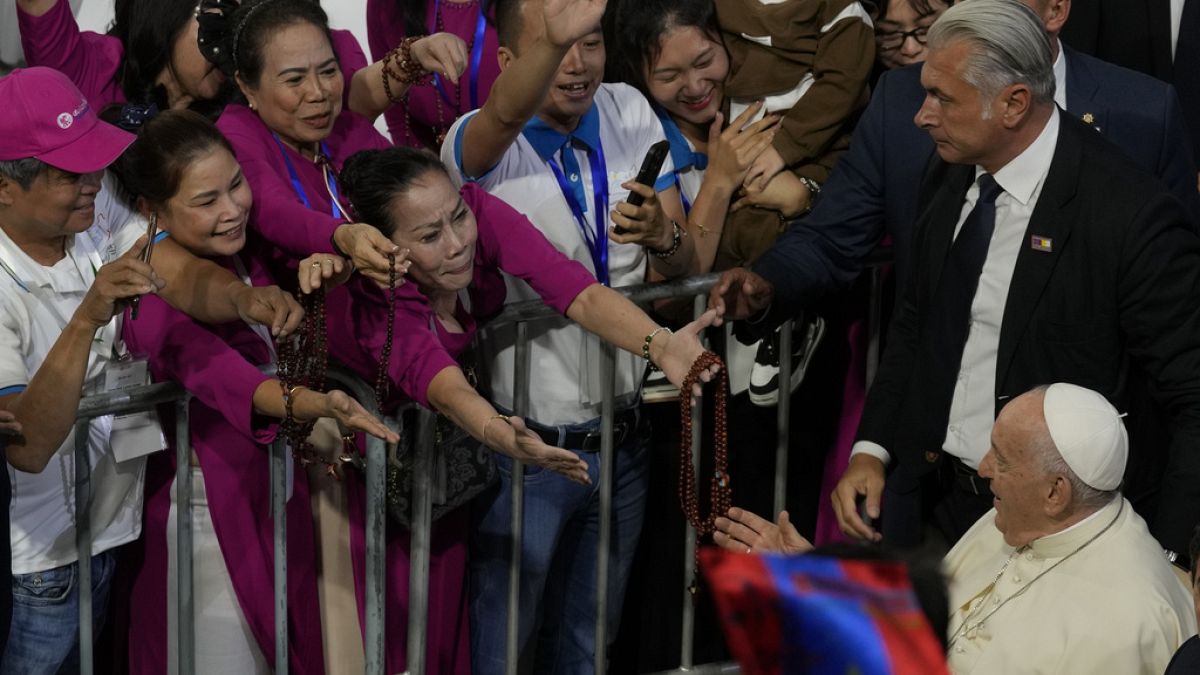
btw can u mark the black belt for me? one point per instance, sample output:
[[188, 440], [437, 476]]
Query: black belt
[[968, 479], [624, 426]]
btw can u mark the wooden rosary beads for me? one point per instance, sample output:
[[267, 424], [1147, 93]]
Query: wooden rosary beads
[[303, 361], [720, 498], [385, 356]]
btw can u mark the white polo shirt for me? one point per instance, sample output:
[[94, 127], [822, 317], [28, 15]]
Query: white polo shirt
[[564, 359], [36, 302]]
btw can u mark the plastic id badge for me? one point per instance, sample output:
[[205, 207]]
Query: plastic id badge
[[136, 434]]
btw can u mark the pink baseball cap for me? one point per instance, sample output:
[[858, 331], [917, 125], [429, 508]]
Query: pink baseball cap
[[49, 119]]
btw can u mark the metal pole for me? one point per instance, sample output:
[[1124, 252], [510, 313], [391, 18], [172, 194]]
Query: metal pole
[[83, 542], [608, 367], [784, 410], [520, 408], [376, 553], [874, 323], [418, 556], [279, 458], [687, 643], [185, 615]]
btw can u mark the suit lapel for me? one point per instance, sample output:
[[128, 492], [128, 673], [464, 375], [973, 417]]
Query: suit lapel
[[1159, 17], [1082, 86], [1052, 218], [944, 188]]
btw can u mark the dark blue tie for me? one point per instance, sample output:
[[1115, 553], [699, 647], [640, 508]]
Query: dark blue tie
[[948, 315]]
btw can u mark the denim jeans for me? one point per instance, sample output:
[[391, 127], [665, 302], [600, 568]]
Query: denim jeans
[[558, 559], [44, 638]]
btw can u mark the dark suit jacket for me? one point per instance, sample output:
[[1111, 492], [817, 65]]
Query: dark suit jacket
[[1122, 282], [1135, 34], [873, 190]]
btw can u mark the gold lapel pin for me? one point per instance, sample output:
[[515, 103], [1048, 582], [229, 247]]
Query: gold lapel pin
[[1089, 118]]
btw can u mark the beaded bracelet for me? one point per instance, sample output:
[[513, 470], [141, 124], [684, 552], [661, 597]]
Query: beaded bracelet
[[675, 242], [646, 345], [398, 64]]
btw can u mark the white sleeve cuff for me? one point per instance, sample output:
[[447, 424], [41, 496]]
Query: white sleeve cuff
[[873, 449]]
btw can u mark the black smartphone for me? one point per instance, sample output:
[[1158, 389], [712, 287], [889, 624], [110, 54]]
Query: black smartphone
[[651, 165]]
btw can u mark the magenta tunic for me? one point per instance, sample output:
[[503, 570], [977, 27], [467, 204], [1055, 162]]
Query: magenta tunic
[[219, 366], [93, 61], [429, 114], [508, 242]]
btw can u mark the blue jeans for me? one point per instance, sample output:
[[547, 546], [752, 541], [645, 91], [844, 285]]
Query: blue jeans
[[44, 638], [558, 559]]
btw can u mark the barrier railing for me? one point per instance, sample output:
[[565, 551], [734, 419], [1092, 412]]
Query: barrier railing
[[521, 314]]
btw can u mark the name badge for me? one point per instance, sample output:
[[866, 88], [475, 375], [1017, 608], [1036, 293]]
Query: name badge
[[136, 434]]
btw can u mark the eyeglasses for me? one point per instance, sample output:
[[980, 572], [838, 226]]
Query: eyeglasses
[[893, 40]]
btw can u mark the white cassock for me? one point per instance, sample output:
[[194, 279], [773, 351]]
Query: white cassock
[[1114, 606]]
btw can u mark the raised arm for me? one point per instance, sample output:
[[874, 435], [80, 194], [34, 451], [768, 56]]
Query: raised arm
[[37, 7], [441, 53], [525, 78]]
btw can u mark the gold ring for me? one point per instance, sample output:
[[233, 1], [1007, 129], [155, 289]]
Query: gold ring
[[316, 263]]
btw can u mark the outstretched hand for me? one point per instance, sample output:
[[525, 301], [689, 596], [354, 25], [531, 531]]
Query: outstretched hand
[[739, 294], [442, 53], [368, 249], [350, 414], [531, 449], [746, 532], [323, 269], [681, 349], [566, 21]]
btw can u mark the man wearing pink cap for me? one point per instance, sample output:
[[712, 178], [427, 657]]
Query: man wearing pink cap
[[68, 258]]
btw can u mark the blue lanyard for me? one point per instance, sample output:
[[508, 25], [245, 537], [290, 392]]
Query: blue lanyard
[[336, 207], [476, 57], [687, 204], [597, 240]]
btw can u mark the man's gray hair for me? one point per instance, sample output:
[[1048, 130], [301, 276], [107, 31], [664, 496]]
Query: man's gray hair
[[1009, 45], [22, 171]]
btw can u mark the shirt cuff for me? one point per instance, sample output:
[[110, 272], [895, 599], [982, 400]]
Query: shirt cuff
[[873, 449]]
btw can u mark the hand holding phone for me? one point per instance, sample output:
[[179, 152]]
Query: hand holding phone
[[651, 165]]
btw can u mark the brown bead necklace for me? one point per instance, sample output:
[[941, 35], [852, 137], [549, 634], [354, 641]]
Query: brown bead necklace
[[385, 356], [720, 497], [303, 360]]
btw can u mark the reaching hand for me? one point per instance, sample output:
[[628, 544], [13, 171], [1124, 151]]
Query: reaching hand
[[739, 294], [745, 532], [531, 449], [9, 426], [785, 193], [733, 150], [124, 278], [323, 269], [368, 250], [350, 414], [270, 306], [681, 349], [442, 53], [864, 477], [566, 21], [765, 166]]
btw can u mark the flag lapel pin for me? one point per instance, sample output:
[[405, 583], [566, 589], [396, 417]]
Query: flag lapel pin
[[1040, 243]]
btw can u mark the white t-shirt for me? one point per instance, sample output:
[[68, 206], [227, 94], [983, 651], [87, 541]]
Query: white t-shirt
[[564, 359], [36, 303]]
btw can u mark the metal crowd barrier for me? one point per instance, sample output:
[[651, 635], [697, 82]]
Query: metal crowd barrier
[[521, 314]]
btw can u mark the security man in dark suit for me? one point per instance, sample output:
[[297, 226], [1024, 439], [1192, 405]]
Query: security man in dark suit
[[874, 179]]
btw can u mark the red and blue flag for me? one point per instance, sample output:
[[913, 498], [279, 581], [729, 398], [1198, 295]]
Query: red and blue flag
[[816, 615]]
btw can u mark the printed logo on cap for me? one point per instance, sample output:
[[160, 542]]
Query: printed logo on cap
[[65, 120]]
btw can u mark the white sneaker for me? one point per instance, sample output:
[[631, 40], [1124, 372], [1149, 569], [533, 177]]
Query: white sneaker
[[807, 332]]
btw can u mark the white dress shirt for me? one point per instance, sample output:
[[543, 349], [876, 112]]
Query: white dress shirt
[[972, 408]]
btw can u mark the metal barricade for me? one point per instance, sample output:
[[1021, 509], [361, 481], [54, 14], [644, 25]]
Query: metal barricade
[[146, 398]]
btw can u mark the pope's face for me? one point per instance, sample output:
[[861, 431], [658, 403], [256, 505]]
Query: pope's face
[[1019, 484]]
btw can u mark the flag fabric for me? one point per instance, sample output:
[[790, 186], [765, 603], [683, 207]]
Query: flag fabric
[[811, 614]]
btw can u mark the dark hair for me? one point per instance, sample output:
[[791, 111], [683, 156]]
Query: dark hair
[[371, 179], [254, 23], [152, 167], [509, 22], [639, 25], [148, 29], [416, 19], [924, 573], [921, 7]]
